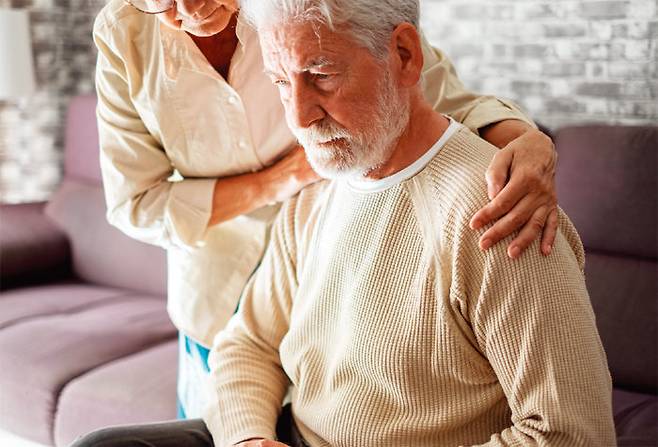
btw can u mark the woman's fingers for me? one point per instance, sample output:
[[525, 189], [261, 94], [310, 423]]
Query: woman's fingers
[[519, 217], [501, 205], [527, 203], [550, 231], [498, 171], [531, 231]]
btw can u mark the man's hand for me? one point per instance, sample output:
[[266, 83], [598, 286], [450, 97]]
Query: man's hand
[[520, 182], [260, 442]]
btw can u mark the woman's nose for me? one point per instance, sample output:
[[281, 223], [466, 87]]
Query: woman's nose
[[189, 7]]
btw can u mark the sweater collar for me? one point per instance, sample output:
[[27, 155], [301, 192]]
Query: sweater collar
[[363, 185]]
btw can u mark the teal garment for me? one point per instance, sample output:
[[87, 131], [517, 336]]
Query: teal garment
[[192, 367], [198, 351]]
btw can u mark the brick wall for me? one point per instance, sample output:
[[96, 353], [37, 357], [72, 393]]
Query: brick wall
[[31, 135], [564, 61]]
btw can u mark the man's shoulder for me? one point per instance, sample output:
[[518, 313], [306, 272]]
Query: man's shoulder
[[457, 174], [458, 170]]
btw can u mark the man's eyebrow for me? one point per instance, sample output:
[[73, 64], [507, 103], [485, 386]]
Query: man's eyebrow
[[318, 62]]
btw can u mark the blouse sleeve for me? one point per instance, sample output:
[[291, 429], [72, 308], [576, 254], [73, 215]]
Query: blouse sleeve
[[141, 200], [447, 94]]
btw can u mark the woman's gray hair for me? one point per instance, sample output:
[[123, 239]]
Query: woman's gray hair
[[370, 22]]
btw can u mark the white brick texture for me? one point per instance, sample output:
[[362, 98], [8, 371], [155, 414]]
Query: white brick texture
[[563, 61]]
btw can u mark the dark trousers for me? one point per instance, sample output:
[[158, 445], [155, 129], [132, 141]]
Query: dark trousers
[[188, 433]]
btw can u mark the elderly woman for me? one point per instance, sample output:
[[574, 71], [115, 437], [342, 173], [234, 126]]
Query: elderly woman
[[196, 156]]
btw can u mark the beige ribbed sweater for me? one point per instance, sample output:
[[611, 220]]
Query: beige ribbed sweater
[[383, 351]]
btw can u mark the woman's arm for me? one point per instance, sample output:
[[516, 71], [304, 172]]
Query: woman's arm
[[443, 89], [525, 166], [244, 193], [141, 201]]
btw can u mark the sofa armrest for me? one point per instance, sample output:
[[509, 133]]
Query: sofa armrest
[[31, 245]]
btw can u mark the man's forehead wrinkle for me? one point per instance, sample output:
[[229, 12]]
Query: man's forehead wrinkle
[[277, 50], [316, 31], [299, 47]]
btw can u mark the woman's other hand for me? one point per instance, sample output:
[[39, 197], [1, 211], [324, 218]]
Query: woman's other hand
[[289, 175], [244, 193], [521, 186]]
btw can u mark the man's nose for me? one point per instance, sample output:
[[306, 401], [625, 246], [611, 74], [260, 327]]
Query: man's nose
[[304, 105]]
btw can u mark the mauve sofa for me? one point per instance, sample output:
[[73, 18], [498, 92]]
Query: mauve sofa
[[607, 184], [85, 340]]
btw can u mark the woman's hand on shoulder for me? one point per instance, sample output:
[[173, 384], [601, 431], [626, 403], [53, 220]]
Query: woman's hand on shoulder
[[521, 186]]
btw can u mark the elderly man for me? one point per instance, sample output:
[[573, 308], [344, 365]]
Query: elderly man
[[391, 325], [385, 320]]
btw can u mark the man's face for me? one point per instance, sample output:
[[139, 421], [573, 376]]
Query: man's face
[[342, 103], [199, 17]]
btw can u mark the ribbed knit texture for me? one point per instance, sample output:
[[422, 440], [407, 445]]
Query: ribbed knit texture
[[395, 329]]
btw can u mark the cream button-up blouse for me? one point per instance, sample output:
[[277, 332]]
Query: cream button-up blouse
[[163, 109]]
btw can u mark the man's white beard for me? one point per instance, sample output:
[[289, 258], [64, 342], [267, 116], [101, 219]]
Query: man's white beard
[[342, 154]]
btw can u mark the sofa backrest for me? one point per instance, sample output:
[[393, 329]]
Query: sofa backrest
[[81, 155], [101, 254], [606, 182]]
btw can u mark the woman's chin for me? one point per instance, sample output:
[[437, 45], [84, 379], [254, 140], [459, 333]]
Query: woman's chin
[[215, 23]]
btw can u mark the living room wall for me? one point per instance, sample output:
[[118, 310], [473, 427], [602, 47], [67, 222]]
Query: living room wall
[[564, 61], [31, 132]]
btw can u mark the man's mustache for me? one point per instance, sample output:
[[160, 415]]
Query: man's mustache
[[322, 132]]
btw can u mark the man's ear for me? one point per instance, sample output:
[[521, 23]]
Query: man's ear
[[407, 53]]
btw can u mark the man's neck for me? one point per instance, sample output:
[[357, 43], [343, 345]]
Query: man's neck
[[424, 129]]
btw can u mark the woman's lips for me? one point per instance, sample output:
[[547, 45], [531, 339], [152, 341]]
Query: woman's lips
[[195, 19]]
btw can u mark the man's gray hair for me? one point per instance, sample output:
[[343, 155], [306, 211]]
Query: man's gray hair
[[370, 22]]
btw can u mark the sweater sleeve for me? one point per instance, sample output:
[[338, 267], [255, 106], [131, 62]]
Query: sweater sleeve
[[141, 201], [447, 94], [246, 370], [533, 321]]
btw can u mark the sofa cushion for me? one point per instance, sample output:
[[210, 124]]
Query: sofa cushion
[[606, 182], [40, 356], [101, 253], [29, 303], [636, 419], [135, 389]]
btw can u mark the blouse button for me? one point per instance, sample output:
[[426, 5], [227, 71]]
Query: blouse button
[[232, 100]]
